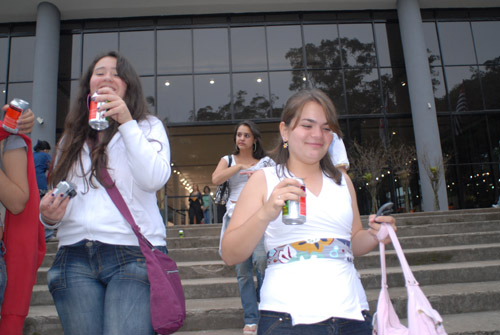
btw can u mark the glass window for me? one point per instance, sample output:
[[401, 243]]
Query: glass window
[[330, 81], [76, 58], [96, 44], [322, 46], [248, 49], [175, 98], [389, 48], [175, 52], [284, 47], [21, 59], [490, 79], [363, 91], [486, 39], [66, 93], [251, 95], [23, 91], [431, 42], [464, 76], [456, 43], [3, 95], [283, 85], [439, 89], [4, 43], [357, 45], [138, 48], [473, 141], [211, 51], [395, 91], [148, 88], [212, 98], [70, 56]]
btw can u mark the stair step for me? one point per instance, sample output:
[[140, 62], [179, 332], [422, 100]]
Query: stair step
[[454, 255]]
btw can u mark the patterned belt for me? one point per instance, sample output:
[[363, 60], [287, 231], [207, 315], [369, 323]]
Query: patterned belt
[[334, 248]]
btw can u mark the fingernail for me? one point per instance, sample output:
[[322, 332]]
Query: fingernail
[[61, 195], [53, 195]]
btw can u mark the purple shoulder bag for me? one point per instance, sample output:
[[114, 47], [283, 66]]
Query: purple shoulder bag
[[168, 305]]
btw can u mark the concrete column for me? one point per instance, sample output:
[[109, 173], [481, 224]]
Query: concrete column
[[45, 74], [423, 110]]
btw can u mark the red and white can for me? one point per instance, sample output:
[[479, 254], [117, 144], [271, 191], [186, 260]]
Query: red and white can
[[97, 120], [14, 111]]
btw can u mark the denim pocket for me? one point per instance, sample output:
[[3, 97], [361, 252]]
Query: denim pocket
[[132, 263], [274, 323], [56, 274]]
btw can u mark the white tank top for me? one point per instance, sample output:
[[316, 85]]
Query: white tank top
[[315, 289]]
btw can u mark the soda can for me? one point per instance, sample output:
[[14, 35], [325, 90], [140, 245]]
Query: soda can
[[96, 118], [14, 111], [294, 212], [181, 233]]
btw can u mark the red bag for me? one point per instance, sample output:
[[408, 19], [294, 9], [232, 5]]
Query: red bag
[[168, 304], [422, 318]]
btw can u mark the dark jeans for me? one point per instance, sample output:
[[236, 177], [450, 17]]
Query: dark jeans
[[274, 323]]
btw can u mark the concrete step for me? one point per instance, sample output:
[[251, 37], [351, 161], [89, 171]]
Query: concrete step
[[477, 299], [438, 255], [195, 241], [435, 255], [223, 287], [481, 323]]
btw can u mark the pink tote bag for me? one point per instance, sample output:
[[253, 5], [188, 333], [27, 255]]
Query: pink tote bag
[[422, 318]]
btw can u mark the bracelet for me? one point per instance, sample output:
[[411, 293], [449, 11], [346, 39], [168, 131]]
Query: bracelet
[[47, 224]]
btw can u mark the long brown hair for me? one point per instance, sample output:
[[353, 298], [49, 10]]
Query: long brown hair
[[77, 130], [293, 108]]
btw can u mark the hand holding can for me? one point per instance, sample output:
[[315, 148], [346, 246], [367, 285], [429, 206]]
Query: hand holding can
[[294, 212], [14, 111], [97, 120]]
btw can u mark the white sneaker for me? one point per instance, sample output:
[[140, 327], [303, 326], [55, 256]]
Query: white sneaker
[[495, 205]]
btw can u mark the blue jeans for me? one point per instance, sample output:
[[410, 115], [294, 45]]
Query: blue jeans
[[281, 324], [206, 215], [3, 273], [100, 288], [48, 233], [250, 295]]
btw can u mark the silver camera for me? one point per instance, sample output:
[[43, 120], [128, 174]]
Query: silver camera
[[65, 187]]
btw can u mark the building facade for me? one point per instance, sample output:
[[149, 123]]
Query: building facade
[[426, 77]]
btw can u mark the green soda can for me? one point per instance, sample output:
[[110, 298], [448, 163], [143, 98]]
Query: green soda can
[[181, 233]]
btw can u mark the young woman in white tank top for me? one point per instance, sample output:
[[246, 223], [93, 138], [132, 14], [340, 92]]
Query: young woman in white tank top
[[311, 286]]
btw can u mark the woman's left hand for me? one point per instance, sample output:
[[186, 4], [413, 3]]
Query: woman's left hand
[[375, 222], [116, 108]]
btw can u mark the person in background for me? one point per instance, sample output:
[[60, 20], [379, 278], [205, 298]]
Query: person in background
[[208, 203], [195, 206], [248, 156], [42, 160], [22, 245], [338, 154], [311, 285], [99, 281]]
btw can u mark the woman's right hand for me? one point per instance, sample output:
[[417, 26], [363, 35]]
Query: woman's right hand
[[52, 208], [287, 189]]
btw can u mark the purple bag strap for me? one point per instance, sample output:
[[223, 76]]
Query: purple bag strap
[[117, 198]]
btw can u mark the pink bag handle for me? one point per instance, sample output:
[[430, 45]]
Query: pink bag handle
[[387, 230]]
